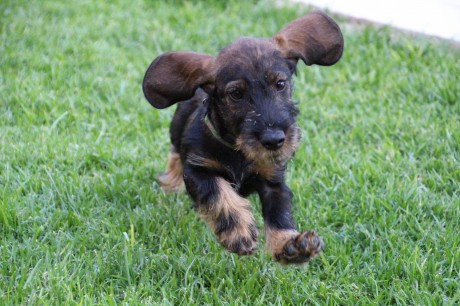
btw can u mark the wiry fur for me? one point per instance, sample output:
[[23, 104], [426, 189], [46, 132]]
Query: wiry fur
[[235, 130]]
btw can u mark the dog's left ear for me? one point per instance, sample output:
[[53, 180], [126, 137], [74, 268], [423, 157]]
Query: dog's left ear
[[314, 38]]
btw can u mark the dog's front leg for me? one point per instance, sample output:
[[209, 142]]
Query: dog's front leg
[[284, 243], [227, 213]]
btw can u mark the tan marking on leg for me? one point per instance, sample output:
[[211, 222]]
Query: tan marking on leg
[[276, 239], [172, 179], [242, 237]]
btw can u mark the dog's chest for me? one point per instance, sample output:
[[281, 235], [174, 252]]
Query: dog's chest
[[242, 173], [237, 170]]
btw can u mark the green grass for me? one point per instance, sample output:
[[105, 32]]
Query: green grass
[[82, 220]]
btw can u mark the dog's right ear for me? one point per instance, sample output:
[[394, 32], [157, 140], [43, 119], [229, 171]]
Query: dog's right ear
[[174, 77]]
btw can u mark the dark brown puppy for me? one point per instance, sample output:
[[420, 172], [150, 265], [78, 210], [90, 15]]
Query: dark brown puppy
[[235, 129]]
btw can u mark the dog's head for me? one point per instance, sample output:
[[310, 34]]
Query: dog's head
[[249, 82]]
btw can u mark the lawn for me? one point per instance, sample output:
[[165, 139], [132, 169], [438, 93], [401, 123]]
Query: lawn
[[82, 220]]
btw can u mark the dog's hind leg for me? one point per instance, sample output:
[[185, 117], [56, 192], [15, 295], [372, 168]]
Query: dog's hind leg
[[172, 179]]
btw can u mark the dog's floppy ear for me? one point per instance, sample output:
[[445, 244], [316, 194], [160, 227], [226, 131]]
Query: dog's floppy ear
[[314, 38], [174, 77]]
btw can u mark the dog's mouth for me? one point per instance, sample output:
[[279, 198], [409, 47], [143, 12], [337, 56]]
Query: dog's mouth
[[271, 146]]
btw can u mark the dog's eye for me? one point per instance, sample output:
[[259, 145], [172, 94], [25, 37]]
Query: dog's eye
[[236, 94], [280, 85]]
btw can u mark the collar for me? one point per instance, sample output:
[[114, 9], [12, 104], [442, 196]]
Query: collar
[[215, 133]]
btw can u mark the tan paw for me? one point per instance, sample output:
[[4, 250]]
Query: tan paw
[[300, 249]]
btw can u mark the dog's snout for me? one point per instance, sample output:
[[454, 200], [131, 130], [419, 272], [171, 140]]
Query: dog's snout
[[272, 139]]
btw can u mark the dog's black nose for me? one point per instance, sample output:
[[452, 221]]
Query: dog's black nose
[[272, 139]]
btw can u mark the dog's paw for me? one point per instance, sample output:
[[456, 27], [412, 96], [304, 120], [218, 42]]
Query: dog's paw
[[240, 241], [301, 248]]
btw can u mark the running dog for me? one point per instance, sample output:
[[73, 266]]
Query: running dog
[[234, 131]]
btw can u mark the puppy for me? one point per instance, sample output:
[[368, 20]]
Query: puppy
[[234, 130]]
